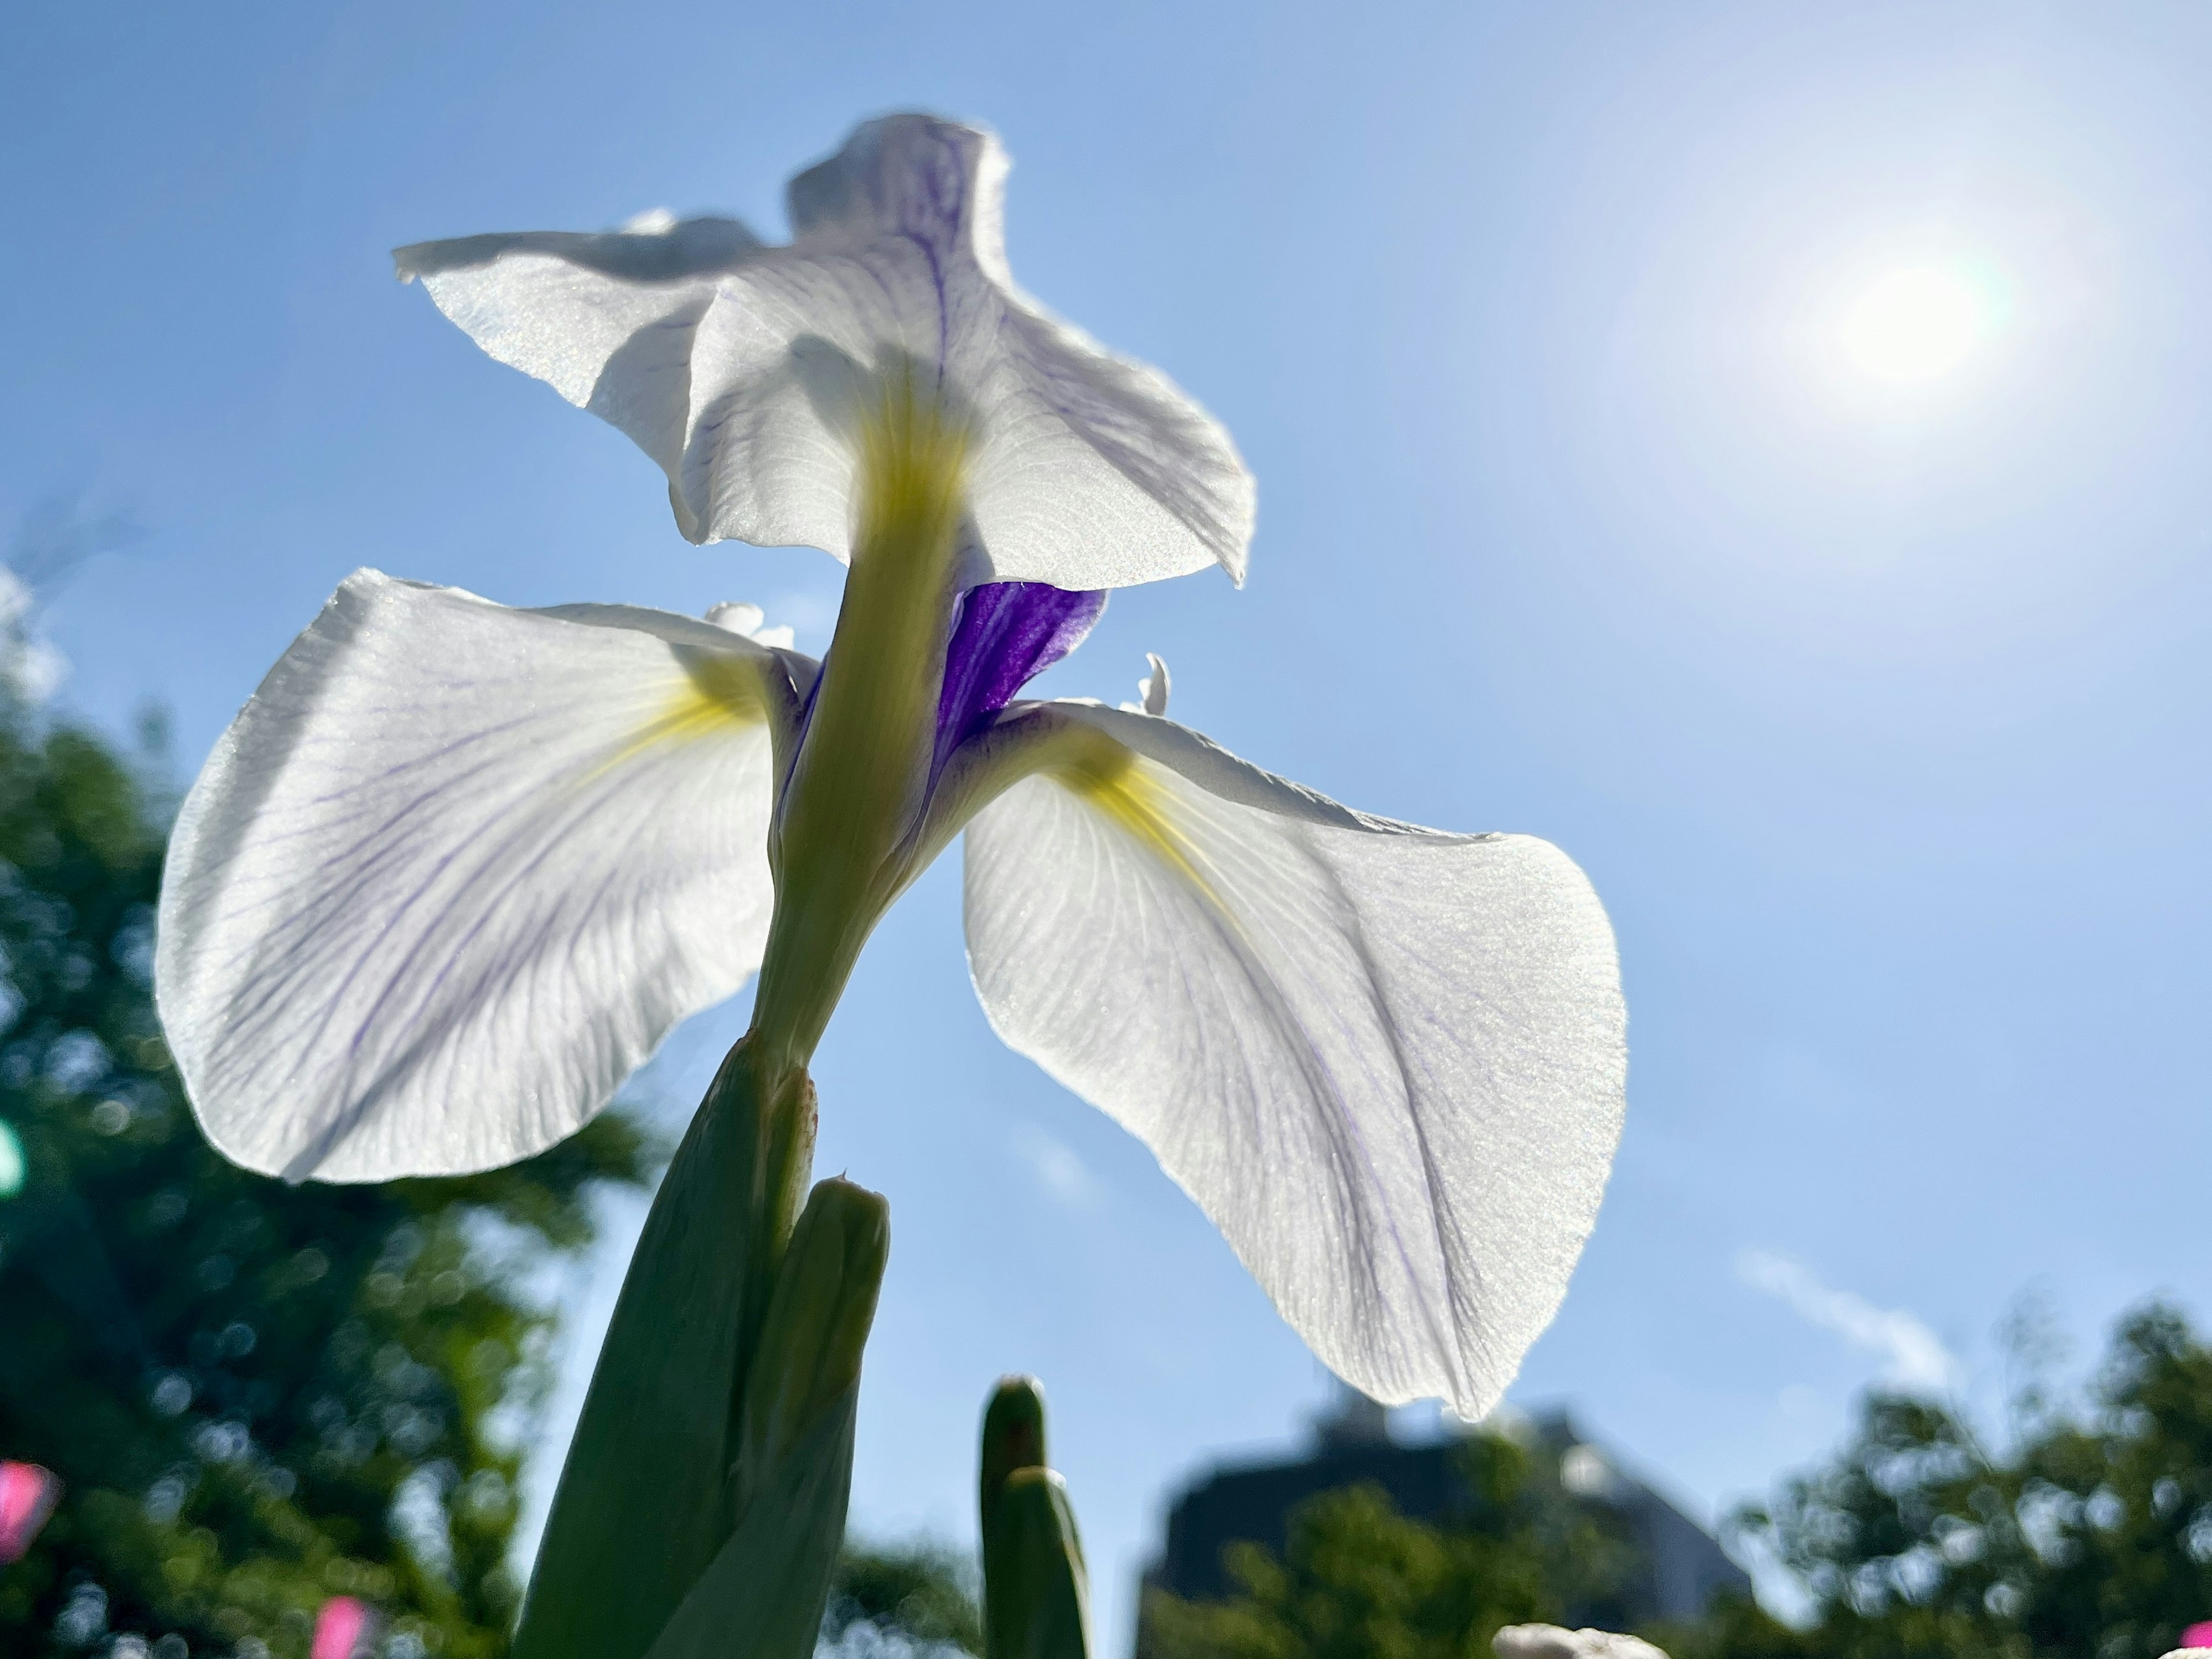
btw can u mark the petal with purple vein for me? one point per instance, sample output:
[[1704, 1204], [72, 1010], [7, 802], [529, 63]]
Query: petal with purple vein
[[455, 870], [1388, 1062]]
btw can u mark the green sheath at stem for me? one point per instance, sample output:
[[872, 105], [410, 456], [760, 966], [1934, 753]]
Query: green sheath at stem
[[646, 1499]]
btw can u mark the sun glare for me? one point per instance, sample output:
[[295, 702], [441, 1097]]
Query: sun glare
[[1917, 324]]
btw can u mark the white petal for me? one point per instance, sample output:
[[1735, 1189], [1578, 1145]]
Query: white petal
[[1552, 1641], [740, 369], [605, 321], [1388, 1062], [751, 621], [739, 618], [1153, 688], [455, 870]]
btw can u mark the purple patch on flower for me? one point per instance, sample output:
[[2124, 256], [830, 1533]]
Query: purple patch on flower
[[1004, 636]]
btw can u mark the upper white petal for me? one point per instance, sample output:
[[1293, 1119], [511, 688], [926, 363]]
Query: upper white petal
[[1389, 1063], [455, 870], [739, 368]]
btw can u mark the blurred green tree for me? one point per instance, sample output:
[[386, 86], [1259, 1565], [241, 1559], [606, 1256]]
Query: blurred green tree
[[1358, 1580], [921, 1593], [2087, 1535], [258, 1396]]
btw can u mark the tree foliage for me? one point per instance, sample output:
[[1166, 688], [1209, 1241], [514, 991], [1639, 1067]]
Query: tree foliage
[[1357, 1580], [2088, 1534], [2085, 1534], [920, 1594], [258, 1396]]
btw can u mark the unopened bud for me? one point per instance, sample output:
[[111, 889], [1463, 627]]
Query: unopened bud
[[1014, 1439], [808, 1358], [27, 1496], [344, 1629], [1037, 1592]]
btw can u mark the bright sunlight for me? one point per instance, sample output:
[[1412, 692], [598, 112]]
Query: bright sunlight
[[1916, 324]]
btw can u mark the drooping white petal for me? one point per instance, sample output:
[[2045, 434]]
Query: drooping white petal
[[1388, 1062], [743, 370], [455, 870]]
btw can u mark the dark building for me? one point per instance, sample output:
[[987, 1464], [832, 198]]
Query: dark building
[[1679, 1567]]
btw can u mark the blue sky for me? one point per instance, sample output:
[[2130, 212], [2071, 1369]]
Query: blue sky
[[1875, 710]]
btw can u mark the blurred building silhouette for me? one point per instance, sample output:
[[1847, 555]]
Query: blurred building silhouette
[[1679, 1568]]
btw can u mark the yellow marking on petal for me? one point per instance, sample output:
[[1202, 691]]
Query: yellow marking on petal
[[718, 695], [1111, 779], [912, 475]]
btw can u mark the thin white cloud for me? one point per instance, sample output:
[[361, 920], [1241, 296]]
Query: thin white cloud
[[1058, 1169], [1913, 1356]]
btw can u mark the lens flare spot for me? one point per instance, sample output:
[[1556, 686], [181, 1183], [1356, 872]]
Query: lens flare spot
[[27, 1496]]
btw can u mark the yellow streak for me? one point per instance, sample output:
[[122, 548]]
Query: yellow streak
[[1111, 779], [912, 474], [719, 693]]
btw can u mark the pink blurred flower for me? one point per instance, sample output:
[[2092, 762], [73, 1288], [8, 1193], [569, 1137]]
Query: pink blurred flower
[[342, 1629], [2199, 1635], [27, 1496]]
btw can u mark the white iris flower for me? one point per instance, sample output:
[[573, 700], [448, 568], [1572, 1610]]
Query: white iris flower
[[456, 870]]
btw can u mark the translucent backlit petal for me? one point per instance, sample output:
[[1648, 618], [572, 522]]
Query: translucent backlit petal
[[456, 870], [1555, 1642], [740, 368], [1388, 1062]]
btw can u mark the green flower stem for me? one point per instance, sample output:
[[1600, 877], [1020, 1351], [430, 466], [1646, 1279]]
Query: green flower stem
[[857, 784], [710, 1453]]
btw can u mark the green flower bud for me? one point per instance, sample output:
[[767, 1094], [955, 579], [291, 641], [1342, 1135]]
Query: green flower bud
[[1014, 1439], [1037, 1592], [818, 1324]]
